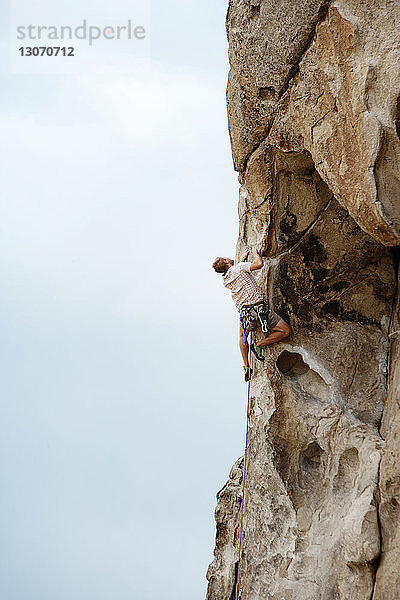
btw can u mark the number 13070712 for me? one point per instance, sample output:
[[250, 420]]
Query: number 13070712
[[46, 51]]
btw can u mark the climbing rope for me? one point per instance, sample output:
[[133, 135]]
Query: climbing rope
[[237, 590]]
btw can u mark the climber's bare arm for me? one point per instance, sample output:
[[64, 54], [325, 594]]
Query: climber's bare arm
[[257, 261]]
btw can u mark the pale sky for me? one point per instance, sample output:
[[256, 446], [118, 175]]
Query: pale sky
[[122, 401]]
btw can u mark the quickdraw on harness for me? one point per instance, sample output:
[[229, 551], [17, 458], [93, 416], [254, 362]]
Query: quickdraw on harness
[[242, 320], [237, 588], [252, 313]]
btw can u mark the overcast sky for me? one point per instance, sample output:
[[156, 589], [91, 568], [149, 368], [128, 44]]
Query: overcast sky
[[122, 402]]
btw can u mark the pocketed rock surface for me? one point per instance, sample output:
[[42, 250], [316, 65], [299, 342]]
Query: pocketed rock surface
[[314, 119]]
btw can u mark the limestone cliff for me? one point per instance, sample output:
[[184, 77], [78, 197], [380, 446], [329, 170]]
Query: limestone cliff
[[314, 117]]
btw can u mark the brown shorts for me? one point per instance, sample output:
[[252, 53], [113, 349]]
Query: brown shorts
[[253, 314]]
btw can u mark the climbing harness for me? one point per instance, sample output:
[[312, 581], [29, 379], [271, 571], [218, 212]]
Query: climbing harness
[[253, 313], [237, 590]]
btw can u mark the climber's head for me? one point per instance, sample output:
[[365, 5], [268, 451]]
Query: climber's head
[[221, 265]]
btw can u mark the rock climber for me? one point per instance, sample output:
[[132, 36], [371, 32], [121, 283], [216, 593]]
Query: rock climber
[[252, 307]]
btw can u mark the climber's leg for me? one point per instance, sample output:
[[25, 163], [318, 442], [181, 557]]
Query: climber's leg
[[244, 348], [279, 332]]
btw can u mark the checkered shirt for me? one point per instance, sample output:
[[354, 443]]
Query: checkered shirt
[[244, 289]]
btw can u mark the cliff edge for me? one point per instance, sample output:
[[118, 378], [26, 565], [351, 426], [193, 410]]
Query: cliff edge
[[314, 118]]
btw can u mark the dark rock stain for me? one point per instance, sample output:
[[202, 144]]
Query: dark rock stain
[[313, 251]]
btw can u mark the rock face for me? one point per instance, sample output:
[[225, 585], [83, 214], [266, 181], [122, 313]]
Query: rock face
[[314, 115]]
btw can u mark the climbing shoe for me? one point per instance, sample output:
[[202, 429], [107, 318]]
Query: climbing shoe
[[247, 373], [257, 351]]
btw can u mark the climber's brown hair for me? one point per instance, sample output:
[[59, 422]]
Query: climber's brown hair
[[219, 265]]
